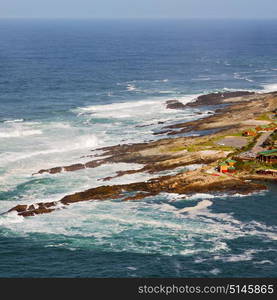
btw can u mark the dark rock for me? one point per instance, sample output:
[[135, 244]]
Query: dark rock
[[74, 167], [19, 208], [194, 182], [216, 98], [174, 104], [55, 170]]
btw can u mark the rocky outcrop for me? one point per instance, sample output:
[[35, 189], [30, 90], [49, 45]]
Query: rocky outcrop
[[217, 98], [230, 116], [71, 168], [174, 104], [186, 183], [166, 154]]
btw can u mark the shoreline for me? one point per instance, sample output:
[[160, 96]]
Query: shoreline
[[238, 112]]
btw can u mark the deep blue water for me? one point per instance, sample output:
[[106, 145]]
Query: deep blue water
[[67, 87]]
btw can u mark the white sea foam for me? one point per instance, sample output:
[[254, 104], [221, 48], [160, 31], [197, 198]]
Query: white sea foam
[[215, 271], [246, 256], [266, 261], [130, 116], [197, 196], [166, 92], [241, 77], [162, 80], [201, 205], [112, 225], [114, 109], [268, 88], [82, 142], [19, 133], [14, 121], [133, 106], [131, 87], [10, 218]]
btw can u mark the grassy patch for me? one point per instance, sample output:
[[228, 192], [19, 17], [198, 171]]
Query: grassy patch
[[209, 145], [264, 117], [236, 134], [252, 166], [249, 166]]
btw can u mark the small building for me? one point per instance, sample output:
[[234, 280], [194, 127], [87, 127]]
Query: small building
[[250, 132], [261, 128], [223, 167], [267, 172], [268, 156], [227, 166], [268, 127], [231, 169], [230, 162]]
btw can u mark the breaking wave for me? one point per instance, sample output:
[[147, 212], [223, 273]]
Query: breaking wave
[[268, 88]]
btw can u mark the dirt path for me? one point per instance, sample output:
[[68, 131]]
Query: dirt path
[[258, 147]]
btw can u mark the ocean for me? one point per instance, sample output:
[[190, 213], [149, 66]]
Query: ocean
[[68, 87]]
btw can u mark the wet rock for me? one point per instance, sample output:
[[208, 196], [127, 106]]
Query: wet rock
[[19, 208], [74, 167], [216, 98], [192, 182], [174, 104], [34, 209]]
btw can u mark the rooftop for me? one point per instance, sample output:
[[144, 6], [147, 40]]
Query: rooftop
[[270, 154], [273, 151]]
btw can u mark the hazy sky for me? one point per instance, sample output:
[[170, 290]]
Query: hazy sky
[[139, 8]]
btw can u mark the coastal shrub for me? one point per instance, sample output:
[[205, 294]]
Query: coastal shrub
[[249, 166]]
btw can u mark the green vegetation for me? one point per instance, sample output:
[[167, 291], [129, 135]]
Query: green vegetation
[[264, 117], [236, 134], [251, 166], [208, 146]]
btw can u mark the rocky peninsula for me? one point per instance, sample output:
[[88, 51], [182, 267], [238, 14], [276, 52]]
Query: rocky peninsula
[[219, 136]]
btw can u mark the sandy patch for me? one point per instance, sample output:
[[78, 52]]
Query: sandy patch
[[233, 141], [255, 122], [208, 152]]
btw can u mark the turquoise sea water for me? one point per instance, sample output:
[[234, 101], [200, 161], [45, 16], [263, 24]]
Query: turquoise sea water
[[68, 87]]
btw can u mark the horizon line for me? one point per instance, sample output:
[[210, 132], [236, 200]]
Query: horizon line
[[137, 18]]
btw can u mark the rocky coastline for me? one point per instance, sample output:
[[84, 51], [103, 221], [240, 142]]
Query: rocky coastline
[[236, 112]]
